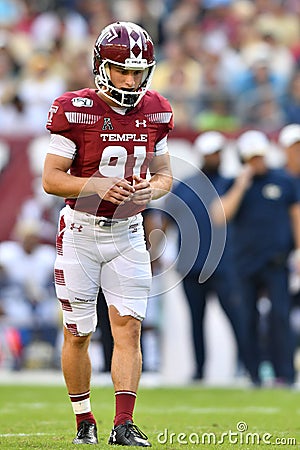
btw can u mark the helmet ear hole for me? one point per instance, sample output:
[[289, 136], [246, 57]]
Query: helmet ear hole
[[107, 70]]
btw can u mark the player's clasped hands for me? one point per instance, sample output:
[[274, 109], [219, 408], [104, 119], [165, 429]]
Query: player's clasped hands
[[120, 190], [114, 190], [142, 191]]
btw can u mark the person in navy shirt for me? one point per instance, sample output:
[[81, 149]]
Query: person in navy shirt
[[289, 140], [263, 207], [204, 261]]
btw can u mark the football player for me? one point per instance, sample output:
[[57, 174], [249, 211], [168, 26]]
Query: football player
[[108, 156]]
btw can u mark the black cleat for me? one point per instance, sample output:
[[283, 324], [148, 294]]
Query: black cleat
[[86, 434], [128, 434]]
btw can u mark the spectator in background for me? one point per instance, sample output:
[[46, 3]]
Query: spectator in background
[[218, 20], [204, 269], [38, 86], [282, 61], [8, 69], [263, 112], [291, 101], [10, 12], [14, 120], [143, 12], [178, 78], [289, 140], [28, 297], [60, 24], [181, 14], [259, 83], [42, 209], [277, 17], [79, 73], [232, 63], [217, 35], [216, 114], [10, 338], [263, 207], [98, 14]]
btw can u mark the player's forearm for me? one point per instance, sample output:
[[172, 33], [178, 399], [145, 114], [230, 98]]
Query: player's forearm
[[161, 184], [63, 184], [58, 182], [161, 176]]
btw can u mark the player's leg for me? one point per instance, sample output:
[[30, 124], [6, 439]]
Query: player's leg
[[126, 283], [126, 363], [77, 293], [127, 357], [75, 355], [126, 372]]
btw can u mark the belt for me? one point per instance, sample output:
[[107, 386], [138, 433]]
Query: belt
[[107, 222], [100, 221]]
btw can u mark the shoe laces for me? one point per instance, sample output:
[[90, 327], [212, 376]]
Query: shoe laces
[[131, 428], [84, 429]]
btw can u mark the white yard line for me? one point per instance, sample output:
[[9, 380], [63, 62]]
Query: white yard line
[[213, 410], [25, 434]]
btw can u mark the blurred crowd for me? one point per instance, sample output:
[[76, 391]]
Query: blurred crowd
[[225, 65]]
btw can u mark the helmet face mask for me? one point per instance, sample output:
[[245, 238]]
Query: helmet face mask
[[128, 46]]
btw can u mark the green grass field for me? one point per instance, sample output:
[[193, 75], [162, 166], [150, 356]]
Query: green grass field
[[40, 417]]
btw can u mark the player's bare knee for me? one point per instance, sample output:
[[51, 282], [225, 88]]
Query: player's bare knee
[[126, 330], [75, 340], [132, 332]]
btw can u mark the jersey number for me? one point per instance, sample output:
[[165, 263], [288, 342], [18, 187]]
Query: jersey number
[[114, 159]]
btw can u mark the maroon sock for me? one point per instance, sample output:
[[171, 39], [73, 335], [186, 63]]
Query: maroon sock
[[125, 401], [89, 417]]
